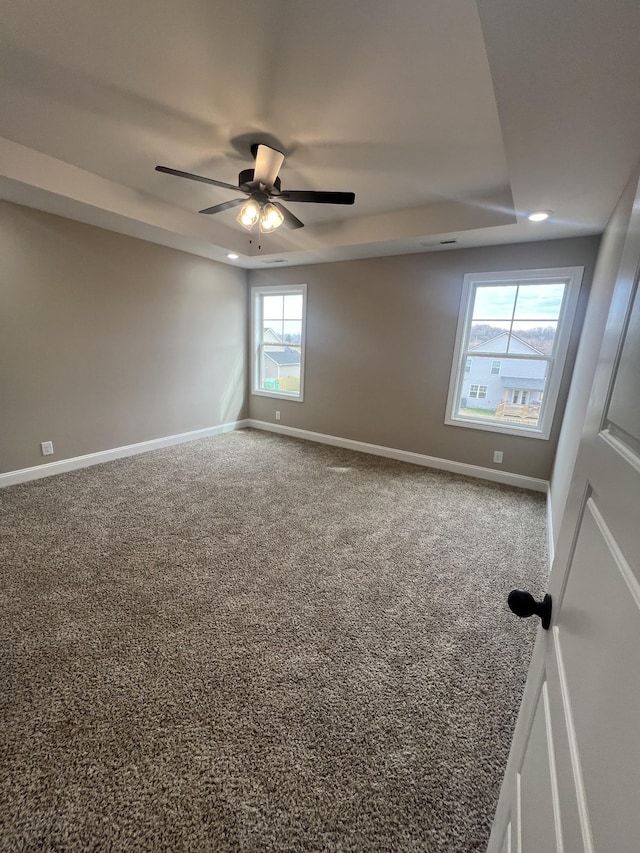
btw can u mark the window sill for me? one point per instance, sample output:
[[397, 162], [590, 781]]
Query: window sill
[[279, 395], [512, 429]]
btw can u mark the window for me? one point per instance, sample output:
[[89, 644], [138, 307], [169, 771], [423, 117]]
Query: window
[[515, 327], [278, 329], [478, 391]]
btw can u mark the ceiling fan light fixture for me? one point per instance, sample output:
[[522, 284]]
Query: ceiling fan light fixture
[[271, 218], [261, 184], [249, 214]]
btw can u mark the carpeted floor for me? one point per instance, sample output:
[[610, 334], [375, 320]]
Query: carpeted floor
[[251, 643]]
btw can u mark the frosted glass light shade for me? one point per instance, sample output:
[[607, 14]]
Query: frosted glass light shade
[[249, 214], [271, 218]]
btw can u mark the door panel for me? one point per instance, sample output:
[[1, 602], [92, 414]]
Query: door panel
[[576, 832], [624, 408], [538, 784], [613, 462], [599, 635]]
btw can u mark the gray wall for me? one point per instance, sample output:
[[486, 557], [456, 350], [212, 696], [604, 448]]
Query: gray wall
[[380, 337], [106, 340], [604, 279]]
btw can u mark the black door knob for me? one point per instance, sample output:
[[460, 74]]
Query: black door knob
[[523, 604]]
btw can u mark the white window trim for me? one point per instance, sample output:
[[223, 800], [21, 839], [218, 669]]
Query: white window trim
[[572, 277], [256, 326]]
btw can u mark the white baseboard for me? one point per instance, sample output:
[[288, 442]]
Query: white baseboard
[[478, 471], [48, 469]]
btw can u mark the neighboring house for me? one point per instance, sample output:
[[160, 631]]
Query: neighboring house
[[506, 386], [271, 337], [281, 363]]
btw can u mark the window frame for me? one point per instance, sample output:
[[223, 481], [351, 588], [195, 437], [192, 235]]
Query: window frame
[[572, 278], [257, 343]]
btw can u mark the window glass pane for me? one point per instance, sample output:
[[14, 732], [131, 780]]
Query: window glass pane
[[520, 368], [272, 307], [494, 302], [480, 388], [514, 396], [489, 337], [539, 301], [272, 331], [293, 306], [292, 331], [280, 370], [531, 336]]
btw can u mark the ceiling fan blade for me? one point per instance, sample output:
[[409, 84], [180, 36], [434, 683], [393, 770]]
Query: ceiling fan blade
[[218, 208], [268, 163], [290, 220], [191, 177], [317, 197]]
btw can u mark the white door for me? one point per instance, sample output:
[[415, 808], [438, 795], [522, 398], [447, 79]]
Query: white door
[[573, 778]]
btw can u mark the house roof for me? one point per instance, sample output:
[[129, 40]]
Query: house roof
[[282, 357], [523, 384], [480, 113], [534, 351]]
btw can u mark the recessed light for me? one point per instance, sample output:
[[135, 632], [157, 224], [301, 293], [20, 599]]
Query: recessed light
[[539, 215], [232, 256]]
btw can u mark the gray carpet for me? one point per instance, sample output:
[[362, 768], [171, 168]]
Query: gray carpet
[[252, 643]]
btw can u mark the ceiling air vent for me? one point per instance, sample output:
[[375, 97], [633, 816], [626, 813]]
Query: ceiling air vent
[[447, 242], [276, 261]]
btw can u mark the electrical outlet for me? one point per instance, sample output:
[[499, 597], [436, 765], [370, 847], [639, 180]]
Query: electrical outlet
[[497, 456], [47, 448], [277, 416]]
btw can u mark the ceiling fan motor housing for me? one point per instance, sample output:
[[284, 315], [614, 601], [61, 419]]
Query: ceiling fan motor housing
[[245, 178]]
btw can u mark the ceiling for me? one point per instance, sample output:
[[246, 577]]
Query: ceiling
[[449, 119]]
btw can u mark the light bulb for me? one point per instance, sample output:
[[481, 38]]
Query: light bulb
[[271, 218], [249, 214]]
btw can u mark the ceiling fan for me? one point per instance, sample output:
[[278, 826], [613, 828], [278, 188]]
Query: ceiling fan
[[265, 196]]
